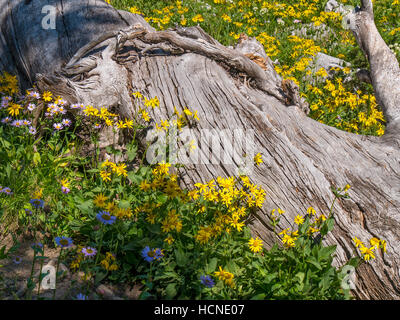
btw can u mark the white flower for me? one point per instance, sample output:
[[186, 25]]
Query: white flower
[[31, 106], [66, 122], [32, 130], [34, 94], [58, 126]]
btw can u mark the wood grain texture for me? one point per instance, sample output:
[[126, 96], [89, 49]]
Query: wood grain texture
[[302, 158]]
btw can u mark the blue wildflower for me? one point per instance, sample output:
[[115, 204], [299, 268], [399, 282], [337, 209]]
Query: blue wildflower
[[81, 296], [37, 203], [207, 281], [64, 242], [105, 217], [151, 254]]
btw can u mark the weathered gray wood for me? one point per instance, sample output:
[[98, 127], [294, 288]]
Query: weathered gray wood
[[384, 68], [302, 158]]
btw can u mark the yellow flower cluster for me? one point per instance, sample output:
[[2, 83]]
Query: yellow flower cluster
[[289, 237], [225, 276], [171, 222], [337, 99], [119, 169], [100, 201], [75, 264], [235, 200], [8, 84], [368, 252], [270, 43], [109, 263], [325, 17], [145, 103]]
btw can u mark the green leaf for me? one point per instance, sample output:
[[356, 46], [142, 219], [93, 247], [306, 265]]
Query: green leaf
[[2, 252], [92, 170], [85, 206], [97, 189], [300, 276], [232, 266], [100, 276], [145, 295], [354, 262], [132, 176], [5, 143], [259, 296], [123, 204], [212, 265], [181, 257], [36, 158], [314, 262], [270, 277], [330, 223], [327, 226], [131, 152], [131, 258], [170, 291], [325, 252]]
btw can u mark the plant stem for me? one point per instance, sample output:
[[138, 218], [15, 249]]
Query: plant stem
[[40, 273], [58, 265]]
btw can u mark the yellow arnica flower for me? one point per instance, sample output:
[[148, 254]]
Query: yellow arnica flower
[[226, 276], [121, 169], [288, 241], [145, 115], [137, 94], [358, 242], [38, 193], [198, 18], [144, 185], [121, 125], [368, 253], [169, 239], [65, 183], [257, 159], [105, 175], [129, 123], [13, 110], [100, 200], [47, 96], [255, 244], [298, 220], [374, 242], [311, 211]]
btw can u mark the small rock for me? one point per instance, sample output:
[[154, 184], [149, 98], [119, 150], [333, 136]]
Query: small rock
[[133, 293], [105, 291], [21, 289], [333, 5]]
